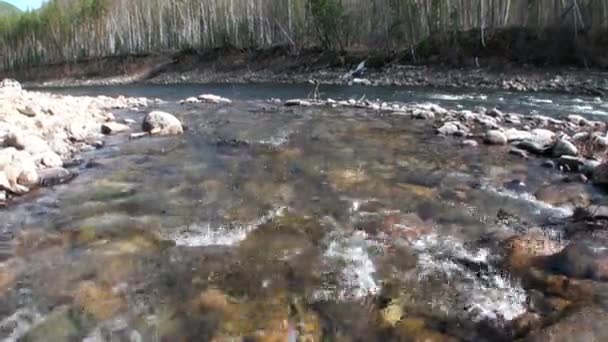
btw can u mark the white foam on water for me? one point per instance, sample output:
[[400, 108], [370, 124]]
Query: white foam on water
[[582, 108], [487, 295], [228, 235], [448, 97], [357, 275], [15, 326], [560, 211], [279, 140], [538, 100]]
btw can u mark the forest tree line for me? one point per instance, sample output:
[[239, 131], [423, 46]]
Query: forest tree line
[[69, 30]]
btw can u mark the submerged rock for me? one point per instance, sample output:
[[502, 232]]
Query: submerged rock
[[600, 175], [559, 194], [586, 324], [586, 259], [162, 123]]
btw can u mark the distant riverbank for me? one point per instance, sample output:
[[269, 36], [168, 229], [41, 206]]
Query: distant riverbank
[[279, 66]]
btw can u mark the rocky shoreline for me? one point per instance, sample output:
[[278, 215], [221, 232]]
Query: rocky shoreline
[[578, 82], [517, 79], [43, 134]]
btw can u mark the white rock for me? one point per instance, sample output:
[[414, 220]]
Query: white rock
[[10, 84], [495, 137], [297, 102], [362, 81], [51, 159], [30, 111], [210, 98], [162, 123], [469, 143], [578, 120], [30, 143]]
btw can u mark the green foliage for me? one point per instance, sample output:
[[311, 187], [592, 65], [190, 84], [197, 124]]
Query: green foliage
[[331, 20]]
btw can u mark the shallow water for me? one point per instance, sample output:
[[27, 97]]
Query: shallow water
[[266, 222]]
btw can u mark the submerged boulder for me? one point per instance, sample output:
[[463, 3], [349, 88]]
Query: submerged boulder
[[585, 324], [586, 259], [162, 123]]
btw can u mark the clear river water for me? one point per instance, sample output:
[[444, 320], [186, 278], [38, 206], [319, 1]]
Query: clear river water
[[270, 223]]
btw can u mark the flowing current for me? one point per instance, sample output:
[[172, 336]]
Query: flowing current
[[263, 220]]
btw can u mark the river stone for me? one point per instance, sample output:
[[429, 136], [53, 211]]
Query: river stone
[[30, 111], [570, 163], [109, 128], [10, 84], [453, 128], [564, 148], [495, 137], [297, 102], [495, 113], [51, 159], [514, 134], [162, 123], [54, 176], [599, 140], [523, 251], [578, 120], [586, 324], [600, 175], [518, 152], [210, 98], [423, 114], [190, 100], [540, 141], [585, 258], [581, 136], [30, 143], [559, 194], [469, 143]]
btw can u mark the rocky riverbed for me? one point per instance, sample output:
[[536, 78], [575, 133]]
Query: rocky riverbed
[[306, 219]]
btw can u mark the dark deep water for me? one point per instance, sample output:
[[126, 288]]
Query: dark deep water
[[266, 222]]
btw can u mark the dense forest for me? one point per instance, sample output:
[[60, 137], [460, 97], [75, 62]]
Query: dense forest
[[68, 30]]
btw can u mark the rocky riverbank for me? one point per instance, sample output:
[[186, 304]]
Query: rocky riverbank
[[235, 66], [43, 134]]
